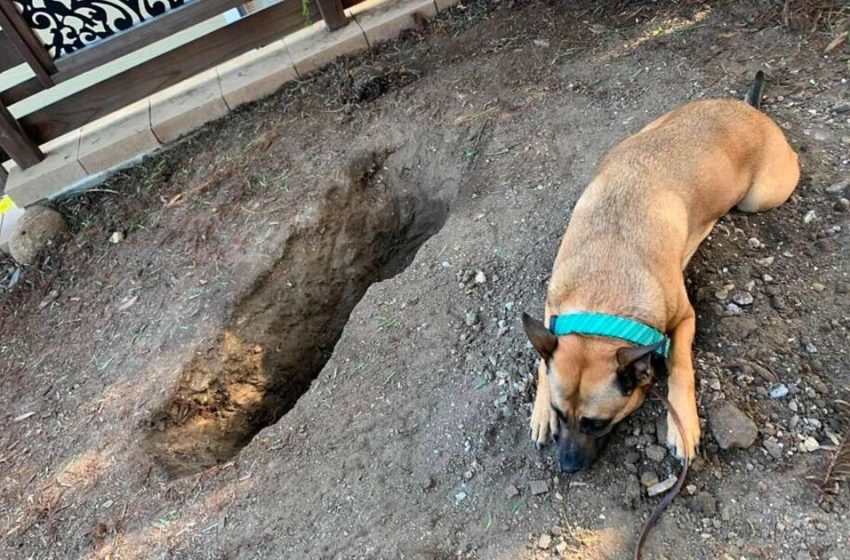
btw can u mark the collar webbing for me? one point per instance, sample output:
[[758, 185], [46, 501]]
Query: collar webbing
[[598, 324]]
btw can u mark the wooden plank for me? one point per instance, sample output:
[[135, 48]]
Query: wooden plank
[[15, 142], [120, 44], [333, 14], [253, 31], [9, 57], [26, 42]]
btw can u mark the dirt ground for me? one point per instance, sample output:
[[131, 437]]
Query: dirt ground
[[307, 344]]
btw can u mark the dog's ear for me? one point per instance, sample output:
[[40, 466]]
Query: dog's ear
[[635, 366], [543, 341]]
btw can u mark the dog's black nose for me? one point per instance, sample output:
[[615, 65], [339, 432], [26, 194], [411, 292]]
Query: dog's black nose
[[570, 466]]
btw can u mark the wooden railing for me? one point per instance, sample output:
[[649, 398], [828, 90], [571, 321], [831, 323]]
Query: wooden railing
[[20, 44]]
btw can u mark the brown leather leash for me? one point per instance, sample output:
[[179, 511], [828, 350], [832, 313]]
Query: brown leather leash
[[671, 495]]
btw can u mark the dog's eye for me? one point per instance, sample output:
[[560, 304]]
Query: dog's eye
[[593, 425]]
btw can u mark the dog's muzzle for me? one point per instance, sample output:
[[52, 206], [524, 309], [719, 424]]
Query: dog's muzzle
[[577, 450]]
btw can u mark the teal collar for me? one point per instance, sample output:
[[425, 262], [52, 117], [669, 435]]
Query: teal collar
[[598, 324]]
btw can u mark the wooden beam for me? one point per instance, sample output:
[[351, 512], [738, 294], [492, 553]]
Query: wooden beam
[[15, 142], [120, 44], [333, 14], [253, 31], [9, 57], [28, 45]]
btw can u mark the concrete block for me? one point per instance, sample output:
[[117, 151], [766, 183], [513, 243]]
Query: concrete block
[[382, 20], [181, 109], [117, 138], [60, 168], [255, 74], [314, 46]]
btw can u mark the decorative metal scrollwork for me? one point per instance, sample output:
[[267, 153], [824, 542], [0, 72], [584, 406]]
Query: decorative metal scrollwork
[[67, 25]]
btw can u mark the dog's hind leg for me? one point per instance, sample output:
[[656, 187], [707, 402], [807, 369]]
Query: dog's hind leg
[[775, 178], [681, 388]]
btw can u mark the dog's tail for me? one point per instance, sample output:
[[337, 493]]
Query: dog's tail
[[756, 91]]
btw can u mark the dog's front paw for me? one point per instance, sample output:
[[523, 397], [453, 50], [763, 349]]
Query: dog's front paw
[[685, 405], [543, 424]]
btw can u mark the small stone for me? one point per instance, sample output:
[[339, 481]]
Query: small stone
[[767, 277], [511, 491], [648, 479], [562, 548], [655, 453], [773, 449], [778, 391], [460, 496], [38, 227], [754, 242], [733, 309], [842, 205], [545, 541], [743, 298], [538, 487], [809, 217], [721, 295], [691, 489], [818, 287], [766, 261], [543, 43], [810, 444], [838, 187], [662, 486], [480, 277], [810, 348], [703, 504], [731, 427], [632, 457], [471, 318], [116, 237], [427, 483]]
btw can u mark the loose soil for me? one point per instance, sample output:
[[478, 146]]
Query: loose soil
[[307, 344]]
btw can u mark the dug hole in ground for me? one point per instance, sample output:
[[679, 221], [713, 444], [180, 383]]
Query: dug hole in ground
[[306, 343]]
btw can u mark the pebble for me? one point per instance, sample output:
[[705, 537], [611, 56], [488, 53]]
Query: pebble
[[754, 242], [459, 497], [511, 491], [480, 277], [809, 217], [721, 295], [766, 261], [811, 348], [818, 287], [778, 391], [743, 298], [732, 308], [731, 427], [648, 479], [538, 487], [116, 237], [838, 187], [655, 453], [471, 318], [662, 486], [842, 205], [773, 449], [545, 541], [809, 444], [704, 504]]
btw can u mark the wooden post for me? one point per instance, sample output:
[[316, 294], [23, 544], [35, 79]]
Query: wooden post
[[332, 13], [26, 43], [15, 142]]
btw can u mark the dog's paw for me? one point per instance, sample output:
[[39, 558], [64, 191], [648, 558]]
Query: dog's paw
[[686, 409], [543, 424]]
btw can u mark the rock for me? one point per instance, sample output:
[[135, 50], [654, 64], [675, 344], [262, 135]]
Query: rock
[[632, 457], [471, 318], [809, 444], [731, 427], [778, 391], [739, 327], [480, 277], [838, 187], [766, 261], [544, 542], [733, 309], [809, 217], [38, 227], [648, 479], [818, 287], [842, 205], [661, 429], [754, 242], [810, 348], [721, 295], [703, 504], [511, 491], [743, 298], [116, 237], [773, 449], [460, 496], [655, 453], [427, 483], [662, 486], [538, 487]]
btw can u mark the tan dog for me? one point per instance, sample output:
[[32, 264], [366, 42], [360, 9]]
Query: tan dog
[[656, 196]]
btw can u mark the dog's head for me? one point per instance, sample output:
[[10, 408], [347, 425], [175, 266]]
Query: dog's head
[[594, 383]]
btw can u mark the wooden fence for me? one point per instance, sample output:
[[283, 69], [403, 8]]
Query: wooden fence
[[60, 40]]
